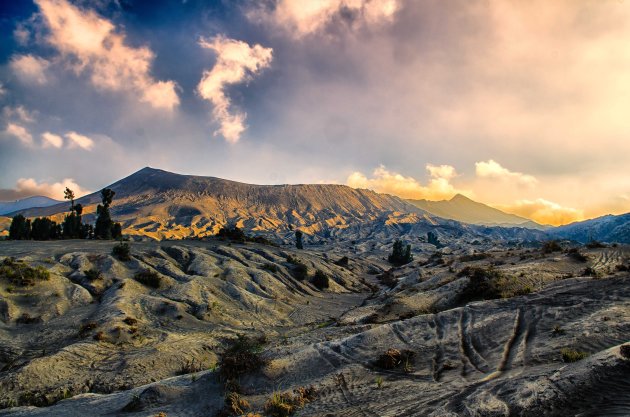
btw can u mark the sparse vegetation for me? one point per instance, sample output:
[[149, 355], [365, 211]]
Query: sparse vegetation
[[285, 404], [19, 273], [576, 255], [122, 251], [148, 278], [320, 280], [400, 256], [487, 283], [241, 357], [93, 274], [551, 246], [474, 257], [396, 359], [572, 355]]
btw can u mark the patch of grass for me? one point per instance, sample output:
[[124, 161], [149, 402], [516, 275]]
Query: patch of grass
[[572, 355], [285, 404], [122, 251], [93, 274], [192, 366], [19, 273], [396, 359], [320, 280], [379, 382], [241, 357], [148, 278]]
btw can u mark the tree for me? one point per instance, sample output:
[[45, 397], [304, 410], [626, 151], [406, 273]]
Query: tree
[[43, 228], [73, 227], [298, 239], [433, 239], [20, 228], [68, 194], [105, 228], [400, 255]]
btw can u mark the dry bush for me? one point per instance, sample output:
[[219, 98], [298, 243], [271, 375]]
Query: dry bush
[[148, 278], [241, 357], [572, 355], [395, 359], [285, 404], [625, 351]]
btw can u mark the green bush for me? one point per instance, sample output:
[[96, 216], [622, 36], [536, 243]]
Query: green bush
[[241, 357], [148, 278], [400, 256], [93, 274], [572, 355], [122, 251]]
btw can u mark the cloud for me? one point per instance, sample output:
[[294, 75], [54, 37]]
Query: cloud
[[30, 69], [91, 44], [384, 181], [51, 140], [492, 169], [19, 132], [21, 35], [81, 141], [544, 211], [236, 62], [3, 90], [28, 187], [19, 112], [303, 17]]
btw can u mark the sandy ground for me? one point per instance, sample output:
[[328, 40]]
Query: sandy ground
[[494, 357]]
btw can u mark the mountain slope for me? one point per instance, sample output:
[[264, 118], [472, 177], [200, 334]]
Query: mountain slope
[[465, 210], [161, 204], [607, 228], [26, 203]]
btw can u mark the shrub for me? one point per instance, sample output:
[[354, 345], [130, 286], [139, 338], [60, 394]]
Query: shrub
[[235, 404], [148, 278], [400, 256], [320, 280], [394, 358], [575, 254], [285, 404], [232, 233], [344, 261], [122, 252], [481, 284], [624, 350], [93, 274], [572, 355], [590, 272], [388, 278], [19, 273], [271, 268], [241, 357], [551, 246], [130, 321]]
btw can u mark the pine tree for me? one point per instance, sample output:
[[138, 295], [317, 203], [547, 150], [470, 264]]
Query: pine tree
[[20, 228], [400, 255], [105, 227], [298, 239]]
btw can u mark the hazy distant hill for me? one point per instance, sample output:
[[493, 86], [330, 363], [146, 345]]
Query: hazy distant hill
[[26, 203], [608, 228], [465, 210]]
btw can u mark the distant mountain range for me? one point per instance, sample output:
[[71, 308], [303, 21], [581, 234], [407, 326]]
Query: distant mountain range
[[163, 205], [607, 228], [26, 203], [465, 210]]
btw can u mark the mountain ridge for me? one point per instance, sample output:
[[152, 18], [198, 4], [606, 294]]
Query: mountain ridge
[[464, 209]]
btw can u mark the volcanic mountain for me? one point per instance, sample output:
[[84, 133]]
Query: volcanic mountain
[[161, 204], [465, 210]]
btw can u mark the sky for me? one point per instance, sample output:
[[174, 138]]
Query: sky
[[522, 105]]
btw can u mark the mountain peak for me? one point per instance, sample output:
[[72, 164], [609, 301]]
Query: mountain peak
[[460, 197]]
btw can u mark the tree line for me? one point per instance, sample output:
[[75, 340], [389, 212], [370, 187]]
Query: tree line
[[72, 227]]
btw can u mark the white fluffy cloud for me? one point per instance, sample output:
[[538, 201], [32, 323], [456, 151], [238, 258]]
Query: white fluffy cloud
[[236, 62], [30, 69], [80, 141], [384, 181], [544, 211], [51, 140], [19, 132], [92, 44], [302, 17], [492, 169], [30, 187]]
